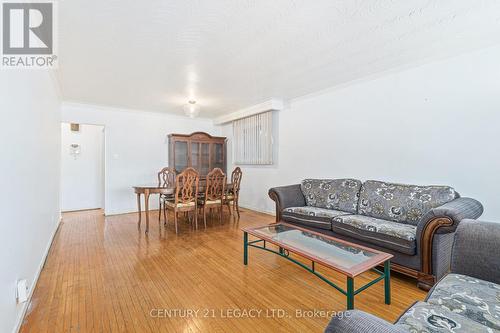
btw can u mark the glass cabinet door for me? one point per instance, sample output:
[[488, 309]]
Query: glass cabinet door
[[205, 159], [218, 159], [199, 150], [195, 156], [180, 155]]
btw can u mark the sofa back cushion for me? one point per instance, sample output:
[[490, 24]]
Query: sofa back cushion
[[401, 202], [338, 194]]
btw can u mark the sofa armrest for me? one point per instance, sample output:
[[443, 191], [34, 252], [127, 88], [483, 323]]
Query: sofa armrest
[[455, 210], [440, 220], [355, 321], [286, 196], [475, 250]]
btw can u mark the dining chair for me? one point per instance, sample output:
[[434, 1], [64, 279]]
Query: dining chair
[[233, 194], [215, 183], [186, 195], [166, 178]]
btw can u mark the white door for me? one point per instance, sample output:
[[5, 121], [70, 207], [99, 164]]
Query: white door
[[82, 167]]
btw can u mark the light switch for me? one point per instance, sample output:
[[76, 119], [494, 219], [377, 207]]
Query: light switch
[[22, 291]]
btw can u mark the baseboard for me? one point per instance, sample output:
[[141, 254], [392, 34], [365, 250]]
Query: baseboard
[[152, 208], [269, 212], [79, 210], [129, 212], [35, 279]]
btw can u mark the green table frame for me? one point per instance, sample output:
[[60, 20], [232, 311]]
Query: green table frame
[[349, 293]]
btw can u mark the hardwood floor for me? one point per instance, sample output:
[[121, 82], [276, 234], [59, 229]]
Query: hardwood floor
[[103, 275]]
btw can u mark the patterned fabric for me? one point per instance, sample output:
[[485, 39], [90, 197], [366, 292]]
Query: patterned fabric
[[427, 318], [401, 203], [339, 194], [356, 321], [209, 202], [475, 299], [314, 211], [180, 205], [398, 230], [311, 216]]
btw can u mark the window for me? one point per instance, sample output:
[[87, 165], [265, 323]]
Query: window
[[253, 140]]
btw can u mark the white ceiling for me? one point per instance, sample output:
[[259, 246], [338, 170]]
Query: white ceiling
[[229, 54]]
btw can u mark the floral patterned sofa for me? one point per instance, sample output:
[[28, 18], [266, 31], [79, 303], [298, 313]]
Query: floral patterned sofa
[[464, 301], [414, 223]]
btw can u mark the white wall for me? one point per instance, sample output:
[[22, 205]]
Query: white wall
[[136, 147], [82, 177], [29, 201], [434, 124]]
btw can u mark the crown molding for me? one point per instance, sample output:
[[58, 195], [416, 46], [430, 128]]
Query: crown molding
[[101, 107], [273, 104]]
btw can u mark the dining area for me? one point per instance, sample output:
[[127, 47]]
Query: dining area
[[195, 182], [190, 196]]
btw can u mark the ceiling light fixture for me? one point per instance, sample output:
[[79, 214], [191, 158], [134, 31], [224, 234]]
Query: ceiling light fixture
[[191, 109]]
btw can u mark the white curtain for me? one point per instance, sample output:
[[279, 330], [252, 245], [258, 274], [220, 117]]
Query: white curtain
[[253, 140]]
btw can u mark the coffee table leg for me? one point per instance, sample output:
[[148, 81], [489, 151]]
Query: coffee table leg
[[350, 293], [245, 248], [387, 282]]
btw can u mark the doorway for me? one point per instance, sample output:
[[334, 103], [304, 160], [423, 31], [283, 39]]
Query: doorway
[[82, 167]]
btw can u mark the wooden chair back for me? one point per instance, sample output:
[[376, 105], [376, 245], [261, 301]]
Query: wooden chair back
[[166, 177], [215, 185], [186, 186], [236, 180]]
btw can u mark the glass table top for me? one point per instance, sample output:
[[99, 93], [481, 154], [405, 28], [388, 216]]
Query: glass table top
[[347, 257]]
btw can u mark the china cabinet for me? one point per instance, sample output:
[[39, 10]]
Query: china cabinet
[[198, 150]]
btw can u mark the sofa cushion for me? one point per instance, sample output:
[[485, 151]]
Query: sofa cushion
[[429, 318], [401, 203], [339, 194], [311, 216], [397, 236], [473, 298]]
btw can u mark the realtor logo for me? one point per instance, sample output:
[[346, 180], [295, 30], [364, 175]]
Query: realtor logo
[[28, 35]]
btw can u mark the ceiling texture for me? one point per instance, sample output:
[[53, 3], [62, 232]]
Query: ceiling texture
[[155, 55]]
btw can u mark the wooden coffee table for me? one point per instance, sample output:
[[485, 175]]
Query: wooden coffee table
[[344, 257]]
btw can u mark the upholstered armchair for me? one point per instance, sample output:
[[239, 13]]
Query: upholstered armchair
[[465, 300]]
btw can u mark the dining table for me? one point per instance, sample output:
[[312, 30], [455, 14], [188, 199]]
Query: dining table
[[147, 190]]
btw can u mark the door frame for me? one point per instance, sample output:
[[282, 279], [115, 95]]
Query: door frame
[[103, 165]]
